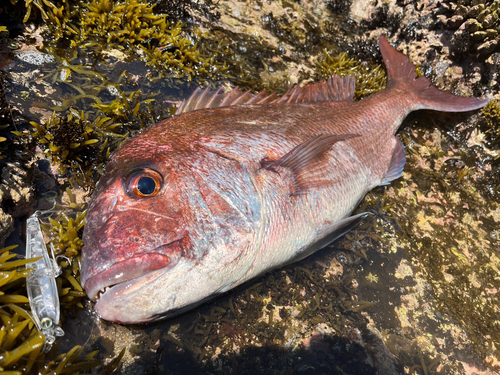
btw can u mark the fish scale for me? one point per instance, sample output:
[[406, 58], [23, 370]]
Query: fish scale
[[238, 184]]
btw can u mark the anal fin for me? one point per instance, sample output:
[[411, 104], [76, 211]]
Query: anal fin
[[304, 161], [398, 161], [330, 233]]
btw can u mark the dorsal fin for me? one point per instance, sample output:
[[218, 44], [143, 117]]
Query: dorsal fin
[[336, 89], [303, 160]]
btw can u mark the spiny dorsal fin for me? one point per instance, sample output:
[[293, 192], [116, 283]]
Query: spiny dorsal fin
[[336, 89], [303, 161]]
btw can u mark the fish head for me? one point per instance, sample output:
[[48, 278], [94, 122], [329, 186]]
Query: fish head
[[163, 231]]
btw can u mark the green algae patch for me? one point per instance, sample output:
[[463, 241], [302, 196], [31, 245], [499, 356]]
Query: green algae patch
[[370, 78], [184, 59], [163, 45], [129, 21]]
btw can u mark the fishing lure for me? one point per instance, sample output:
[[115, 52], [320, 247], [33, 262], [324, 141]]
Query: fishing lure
[[41, 284]]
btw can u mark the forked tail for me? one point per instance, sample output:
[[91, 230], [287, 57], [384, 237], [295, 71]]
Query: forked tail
[[401, 73]]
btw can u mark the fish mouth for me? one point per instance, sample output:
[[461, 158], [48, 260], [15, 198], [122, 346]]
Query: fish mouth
[[125, 271]]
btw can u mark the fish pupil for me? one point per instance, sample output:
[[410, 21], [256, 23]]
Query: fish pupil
[[146, 186]]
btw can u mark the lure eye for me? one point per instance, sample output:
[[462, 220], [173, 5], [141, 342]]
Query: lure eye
[[144, 183]]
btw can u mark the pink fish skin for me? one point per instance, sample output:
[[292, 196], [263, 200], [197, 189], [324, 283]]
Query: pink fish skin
[[236, 185]]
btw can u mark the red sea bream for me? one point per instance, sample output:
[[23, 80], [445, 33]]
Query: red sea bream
[[237, 184]]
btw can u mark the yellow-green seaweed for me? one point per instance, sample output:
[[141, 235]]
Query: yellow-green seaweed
[[184, 59], [80, 142], [20, 340], [133, 27], [370, 78], [65, 230], [491, 116]]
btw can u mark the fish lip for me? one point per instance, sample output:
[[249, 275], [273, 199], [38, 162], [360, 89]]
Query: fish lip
[[124, 271]]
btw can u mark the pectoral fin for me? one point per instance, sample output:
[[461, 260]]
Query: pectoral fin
[[304, 161], [398, 161]]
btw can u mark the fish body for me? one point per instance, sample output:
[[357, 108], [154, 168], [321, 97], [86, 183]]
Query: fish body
[[237, 185]]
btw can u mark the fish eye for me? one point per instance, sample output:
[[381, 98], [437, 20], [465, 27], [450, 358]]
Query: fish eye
[[144, 183]]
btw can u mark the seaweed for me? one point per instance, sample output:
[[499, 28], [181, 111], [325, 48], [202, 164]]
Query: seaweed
[[80, 142], [183, 59], [21, 342], [370, 78], [491, 121], [102, 25], [65, 230]]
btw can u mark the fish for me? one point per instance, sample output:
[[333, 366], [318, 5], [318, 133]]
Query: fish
[[237, 184]]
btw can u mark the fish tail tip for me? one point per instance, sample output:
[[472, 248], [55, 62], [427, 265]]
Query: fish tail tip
[[401, 72]]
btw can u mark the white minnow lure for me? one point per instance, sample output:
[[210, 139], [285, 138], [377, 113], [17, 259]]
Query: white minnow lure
[[41, 284]]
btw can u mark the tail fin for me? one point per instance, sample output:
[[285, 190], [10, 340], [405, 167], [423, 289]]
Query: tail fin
[[400, 72]]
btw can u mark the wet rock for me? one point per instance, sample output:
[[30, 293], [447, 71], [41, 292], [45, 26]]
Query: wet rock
[[487, 47], [479, 22], [16, 186], [455, 21], [493, 69], [16, 194], [6, 226], [35, 57], [460, 43]]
